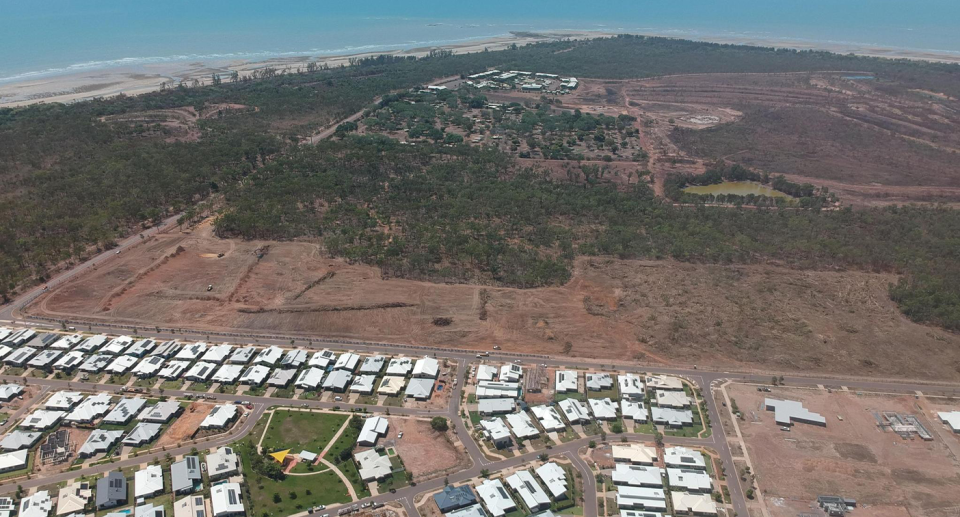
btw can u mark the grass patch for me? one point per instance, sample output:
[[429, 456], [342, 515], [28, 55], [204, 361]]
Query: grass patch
[[325, 488], [229, 389], [39, 374], [283, 393], [347, 441], [647, 428], [200, 387], [568, 435], [309, 395], [305, 468], [299, 430], [146, 382], [256, 391], [569, 395], [592, 429], [393, 401], [14, 370], [475, 418], [367, 400], [174, 384], [119, 380]]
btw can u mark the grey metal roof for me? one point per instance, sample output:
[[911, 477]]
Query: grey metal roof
[[111, 490], [185, 473]]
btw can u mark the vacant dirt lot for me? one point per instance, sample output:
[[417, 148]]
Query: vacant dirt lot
[[659, 312], [182, 428], [850, 458], [426, 453]]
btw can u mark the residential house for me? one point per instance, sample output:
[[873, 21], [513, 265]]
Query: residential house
[[225, 500], [161, 412]]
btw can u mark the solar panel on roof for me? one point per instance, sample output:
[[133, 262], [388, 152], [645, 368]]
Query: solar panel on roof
[[232, 496]]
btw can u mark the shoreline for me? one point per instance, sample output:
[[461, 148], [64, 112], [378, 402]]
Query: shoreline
[[145, 78]]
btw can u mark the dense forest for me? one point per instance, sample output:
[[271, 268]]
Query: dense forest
[[71, 181]]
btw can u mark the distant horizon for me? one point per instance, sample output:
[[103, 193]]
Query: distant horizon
[[61, 37]]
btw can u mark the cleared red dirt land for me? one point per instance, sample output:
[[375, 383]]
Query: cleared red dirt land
[[657, 312]]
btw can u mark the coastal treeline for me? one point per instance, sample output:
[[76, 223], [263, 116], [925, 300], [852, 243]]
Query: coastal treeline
[[72, 181]]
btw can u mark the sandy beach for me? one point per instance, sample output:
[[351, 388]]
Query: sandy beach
[[146, 78]]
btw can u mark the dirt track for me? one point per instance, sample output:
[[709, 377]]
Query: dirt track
[[658, 311]]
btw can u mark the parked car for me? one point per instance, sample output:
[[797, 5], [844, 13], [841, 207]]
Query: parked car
[[400, 435]]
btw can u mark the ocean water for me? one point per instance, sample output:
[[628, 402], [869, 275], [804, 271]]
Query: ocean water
[[46, 37]]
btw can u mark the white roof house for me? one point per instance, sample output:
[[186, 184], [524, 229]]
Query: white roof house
[[337, 380], [15, 460], [603, 409], [522, 426], [5, 351], [625, 474], [951, 418], [363, 384], [689, 480], [530, 491], [631, 386], [161, 412], [496, 431], [17, 439], [117, 345], [310, 379], [20, 356], [99, 441], [43, 419], [96, 363], [44, 359], [474, 510], [220, 416], [373, 428], [222, 463], [347, 361], [9, 391], [495, 496], [294, 359], [427, 368], [641, 498], [90, 409], [281, 378], [566, 381], [322, 359], [786, 412], [391, 385], [373, 364], [67, 342], [173, 369], [400, 366], [225, 500], [497, 390], [549, 418], [599, 381], [419, 388], [373, 465], [167, 349], [36, 505], [255, 375], [574, 410], [269, 356], [228, 373], [671, 417], [200, 371], [486, 372], [124, 411], [243, 355], [635, 453], [633, 410], [73, 498], [697, 504], [496, 406], [664, 382], [141, 347], [191, 352], [122, 364], [554, 477], [672, 399], [190, 506], [142, 433], [63, 400], [511, 373], [682, 457], [148, 481], [217, 353], [149, 367]]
